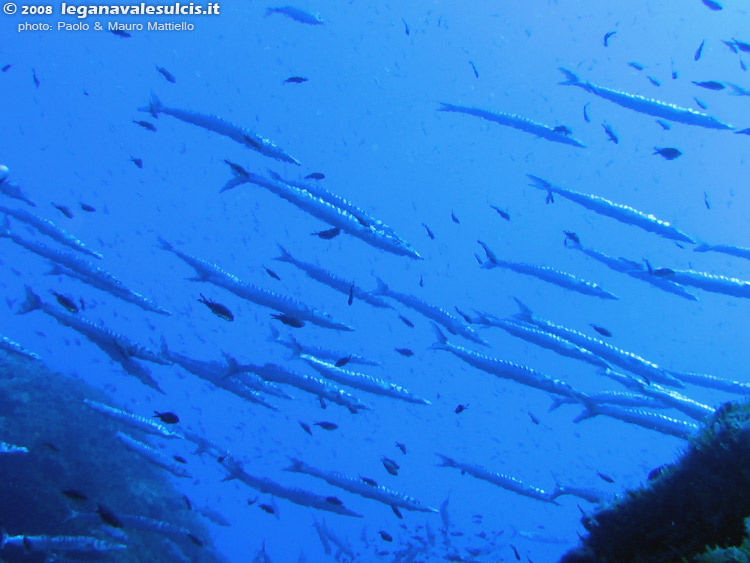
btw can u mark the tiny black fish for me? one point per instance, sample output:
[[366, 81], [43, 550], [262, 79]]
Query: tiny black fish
[[405, 352], [167, 417], [6, 68], [406, 26], [108, 516], [120, 33], [217, 309], [605, 477], [699, 51], [474, 68], [341, 362], [504, 214], [166, 74], [145, 124], [429, 232], [369, 481], [137, 161], [326, 425], [289, 320], [385, 535], [401, 447], [390, 466], [295, 80], [193, 538], [267, 508], [322, 402], [607, 37], [455, 219], [712, 5], [305, 427], [586, 113], [601, 330], [461, 408], [315, 176], [271, 273], [77, 496], [86, 207], [670, 153], [328, 234], [34, 76], [710, 85], [406, 321], [350, 300], [179, 459], [50, 446], [64, 210], [611, 133], [636, 66], [515, 552], [705, 201], [421, 281], [534, 419], [66, 302]]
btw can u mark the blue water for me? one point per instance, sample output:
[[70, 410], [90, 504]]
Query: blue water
[[367, 119]]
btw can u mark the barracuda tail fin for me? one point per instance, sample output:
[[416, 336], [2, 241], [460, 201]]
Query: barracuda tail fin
[[32, 302], [557, 402], [588, 412], [295, 465], [442, 340], [5, 229], [233, 365], [571, 78], [447, 107], [524, 312], [446, 461], [154, 106], [165, 353], [285, 255], [164, 244], [382, 288]]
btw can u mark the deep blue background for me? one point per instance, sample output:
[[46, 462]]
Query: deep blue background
[[367, 118]]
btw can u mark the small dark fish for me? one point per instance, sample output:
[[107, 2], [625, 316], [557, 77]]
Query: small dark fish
[[195, 539], [289, 320], [315, 176], [605, 477], [137, 161], [406, 321], [64, 210], [611, 133], [421, 281], [350, 299], [167, 417], [712, 5], [108, 516], [570, 235], [34, 76], [217, 309], [50, 446], [515, 552], [474, 68], [166, 74], [295, 80], [390, 466], [636, 66], [401, 447], [461, 408], [385, 536], [586, 112], [742, 65], [674, 72], [120, 33], [405, 352], [6, 68], [743, 132], [335, 501], [397, 512], [322, 402], [326, 425], [66, 302], [731, 46], [563, 130], [328, 234], [145, 124], [77, 496], [179, 459], [607, 37], [429, 232], [664, 125], [271, 273], [504, 214], [699, 51], [669, 153], [534, 419], [654, 81], [705, 201], [710, 85], [368, 481], [267, 508], [305, 427], [86, 207], [601, 330], [341, 362], [455, 219], [701, 104], [406, 26]]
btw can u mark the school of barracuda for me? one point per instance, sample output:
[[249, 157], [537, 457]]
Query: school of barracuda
[[648, 395]]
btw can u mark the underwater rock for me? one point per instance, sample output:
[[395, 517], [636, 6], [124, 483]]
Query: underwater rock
[[693, 511]]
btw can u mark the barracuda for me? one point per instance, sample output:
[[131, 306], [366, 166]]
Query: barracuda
[[648, 106], [50, 544], [713, 283], [298, 348], [15, 348], [516, 122], [618, 211], [737, 251], [147, 425], [152, 455], [649, 420]]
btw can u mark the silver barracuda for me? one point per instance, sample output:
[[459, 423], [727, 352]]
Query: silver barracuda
[[212, 273], [619, 398], [432, 312], [545, 273], [498, 479], [152, 455], [359, 487], [655, 108], [645, 419], [147, 425], [50, 544], [297, 348], [556, 134], [222, 127], [11, 189], [713, 283], [362, 381], [737, 251], [9, 345], [618, 211], [713, 382]]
